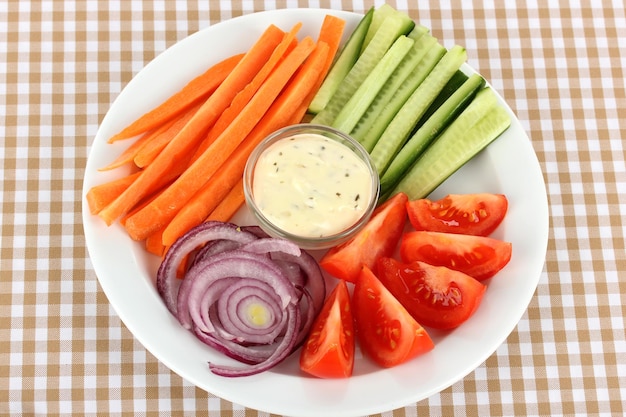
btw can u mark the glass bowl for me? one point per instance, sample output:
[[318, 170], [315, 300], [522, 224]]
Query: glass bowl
[[311, 184]]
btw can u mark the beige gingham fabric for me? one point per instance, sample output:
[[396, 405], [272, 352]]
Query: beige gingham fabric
[[64, 351]]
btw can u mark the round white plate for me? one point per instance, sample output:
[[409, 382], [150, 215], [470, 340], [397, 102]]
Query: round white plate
[[127, 273]]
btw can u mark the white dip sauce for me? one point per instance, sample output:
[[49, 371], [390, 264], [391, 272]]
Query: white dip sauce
[[309, 185]]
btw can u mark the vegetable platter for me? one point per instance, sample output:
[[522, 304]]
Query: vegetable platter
[[127, 272]]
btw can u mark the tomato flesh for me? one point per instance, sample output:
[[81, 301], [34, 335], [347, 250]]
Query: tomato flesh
[[378, 238], [471, 214], [329, 349], [387, 333], [435, 296], [478, 256]]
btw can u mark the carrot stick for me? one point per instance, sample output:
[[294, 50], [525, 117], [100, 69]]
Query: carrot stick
[[164, 208], [193, 92], [154, 243], [331, 33], [129, 153], [99, 196], [151, 149], [230, 204], [207, 198], [277, 116], [188, 137], [245, 95]]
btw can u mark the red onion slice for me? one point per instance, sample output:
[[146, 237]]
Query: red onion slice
[[315, 283], [167, 282], [249, 311], [245, 294], [214, 247], [271, 245], [225, 265], [282, 350]]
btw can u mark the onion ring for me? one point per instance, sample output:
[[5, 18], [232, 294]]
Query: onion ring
[[250, 296]]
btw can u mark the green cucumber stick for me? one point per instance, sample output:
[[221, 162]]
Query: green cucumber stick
[[398, 131], [393, 27], [354, 109], [475, 128], [429, 130]]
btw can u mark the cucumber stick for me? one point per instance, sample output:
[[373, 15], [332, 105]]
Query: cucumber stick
[[369, 132], [466, 136], [351, 113], [380, 14], [429, 130], [392, 28], [397, 132], [407, 68], [344, 62], [455, 82]]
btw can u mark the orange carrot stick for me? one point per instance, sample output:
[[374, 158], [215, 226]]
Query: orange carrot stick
[[193, 92], [146, 153], [331, 33], [163, 209], [188, 138], [154, 243], [229, 205], [143, 203], [99, 196], [129, 153], [277, 116], [245, 95]]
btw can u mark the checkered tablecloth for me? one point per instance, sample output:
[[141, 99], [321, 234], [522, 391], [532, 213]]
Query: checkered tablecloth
[[63, 349]]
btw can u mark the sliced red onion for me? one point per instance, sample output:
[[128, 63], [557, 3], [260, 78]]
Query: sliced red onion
[[270, 245], [293, 272], [255, 230], [283, 349], [246, 354], [236, 308], [198, 281], [214, 247], [245, 294], [315, 283], [167, 282]]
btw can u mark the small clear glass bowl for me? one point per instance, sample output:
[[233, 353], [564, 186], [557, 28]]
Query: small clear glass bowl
[[307, 242]]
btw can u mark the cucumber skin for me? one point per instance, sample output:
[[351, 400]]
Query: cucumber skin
[[354, 109], [455, 147], [370, 137], [394, 26], [397, 132], [345, 60], [429, 130], [378, 18], [406, 69], [454, 84]]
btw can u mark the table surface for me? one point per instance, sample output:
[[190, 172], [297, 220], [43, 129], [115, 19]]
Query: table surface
[[63, 349]]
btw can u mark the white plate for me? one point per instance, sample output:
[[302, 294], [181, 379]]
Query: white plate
[[127, 274]]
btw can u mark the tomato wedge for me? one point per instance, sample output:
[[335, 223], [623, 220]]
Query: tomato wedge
[[470, 214], [329, 349], [478, 256], [378, 238], [387, 333], [435, 296]]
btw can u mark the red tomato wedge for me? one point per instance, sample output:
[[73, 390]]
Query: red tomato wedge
[[469, 214], [329, 349], [378, 238], [478, 256], [387, 333], [435, 296]]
